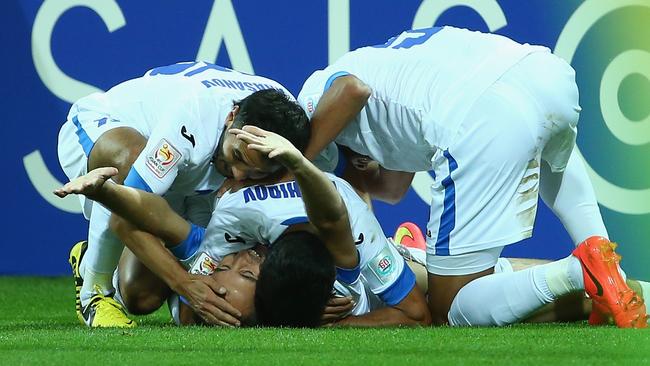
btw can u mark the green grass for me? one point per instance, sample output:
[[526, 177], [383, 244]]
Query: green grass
[[38, 326]]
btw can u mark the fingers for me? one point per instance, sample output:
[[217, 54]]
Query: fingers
[[338, 311], [261, 148], [275, 153], [214, 316], [339, 301], [219, 301], [250, 138], [107, 172], [256, 130], [225, 312], [60, 192], [337, 307]]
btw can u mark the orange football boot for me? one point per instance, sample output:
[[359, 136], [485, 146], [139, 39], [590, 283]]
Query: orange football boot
[[409, 235], [606, 287]]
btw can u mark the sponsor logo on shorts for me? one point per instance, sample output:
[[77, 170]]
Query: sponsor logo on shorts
[[162, 158]]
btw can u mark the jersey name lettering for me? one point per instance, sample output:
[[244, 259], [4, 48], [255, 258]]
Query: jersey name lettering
[[281, 190]]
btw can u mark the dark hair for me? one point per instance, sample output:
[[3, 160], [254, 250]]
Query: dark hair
[[295, 282], [272, 110]]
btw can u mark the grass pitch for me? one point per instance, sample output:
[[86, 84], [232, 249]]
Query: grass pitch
[[38, 326]]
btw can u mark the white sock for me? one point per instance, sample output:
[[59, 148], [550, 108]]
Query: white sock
[[507, 298], [645, 289], [101, 257], [571, 197], [564, 276]]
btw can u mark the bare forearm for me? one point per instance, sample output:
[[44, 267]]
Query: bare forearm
[[323, 203], [386, 317], [147, 211], [150, 251], [337, 107], [385, 185], [327, 212], [411, 311]]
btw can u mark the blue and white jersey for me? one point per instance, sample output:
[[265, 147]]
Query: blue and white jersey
[[423, 84], [181, 110], [260, 214]]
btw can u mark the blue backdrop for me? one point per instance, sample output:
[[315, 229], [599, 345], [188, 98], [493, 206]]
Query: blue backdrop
[[57, 51]]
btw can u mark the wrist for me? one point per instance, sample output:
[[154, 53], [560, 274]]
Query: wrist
[[178, 283], [297, 164]]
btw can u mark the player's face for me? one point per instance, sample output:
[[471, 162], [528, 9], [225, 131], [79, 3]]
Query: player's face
[[238, 274], [235, 160]]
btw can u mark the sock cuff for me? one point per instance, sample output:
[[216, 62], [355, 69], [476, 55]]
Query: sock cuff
[[539, 277]]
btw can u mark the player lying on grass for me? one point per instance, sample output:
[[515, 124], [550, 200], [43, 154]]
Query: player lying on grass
[[496, 122], [571, 307], [165, 133], [256, 195], [372, 271]]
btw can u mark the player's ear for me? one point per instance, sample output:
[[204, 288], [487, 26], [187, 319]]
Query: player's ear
[[230, 118]]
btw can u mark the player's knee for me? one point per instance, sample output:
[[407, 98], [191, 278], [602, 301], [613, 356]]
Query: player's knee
[[118, 148], [455, 316], [142, 303], [139, 300]]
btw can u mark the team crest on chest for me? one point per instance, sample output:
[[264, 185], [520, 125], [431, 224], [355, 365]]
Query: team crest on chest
[[162, 158]]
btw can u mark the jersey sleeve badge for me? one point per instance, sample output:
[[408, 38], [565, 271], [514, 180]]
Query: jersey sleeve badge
[[162, 158], [204, 265]]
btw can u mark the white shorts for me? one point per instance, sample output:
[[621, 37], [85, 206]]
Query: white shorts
[[76, 140], [486, 187]]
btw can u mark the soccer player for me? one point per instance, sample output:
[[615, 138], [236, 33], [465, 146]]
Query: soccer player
[[496, 122], [287, 293], [165, 133]]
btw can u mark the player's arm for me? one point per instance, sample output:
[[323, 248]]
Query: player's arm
[[411, 311], [141, 220], [344, 99], [325, 207], [380, 183]]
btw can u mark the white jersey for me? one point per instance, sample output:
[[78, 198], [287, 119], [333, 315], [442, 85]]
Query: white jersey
[[181, 110], [260, 214], [423, 84]]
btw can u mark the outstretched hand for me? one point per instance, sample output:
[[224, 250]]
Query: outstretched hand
[[88, 184], [271, 144]]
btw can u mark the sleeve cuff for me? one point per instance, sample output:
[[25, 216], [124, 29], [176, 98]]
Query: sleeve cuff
[[190, 245], [396, 292]]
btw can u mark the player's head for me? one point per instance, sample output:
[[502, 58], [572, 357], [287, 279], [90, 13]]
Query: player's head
[[270, 110], [238, 274], [295, 282]]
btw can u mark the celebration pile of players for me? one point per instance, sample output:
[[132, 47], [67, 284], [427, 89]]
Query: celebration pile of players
[[219, 194]]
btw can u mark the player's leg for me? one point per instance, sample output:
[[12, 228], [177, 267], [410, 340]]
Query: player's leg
[[117, 148], [142, 292], [86, 141], [593, 265], [484, 196]]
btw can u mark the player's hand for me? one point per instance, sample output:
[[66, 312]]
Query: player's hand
[[337, 308], [207, 300], [88, 184], [271, 144]]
